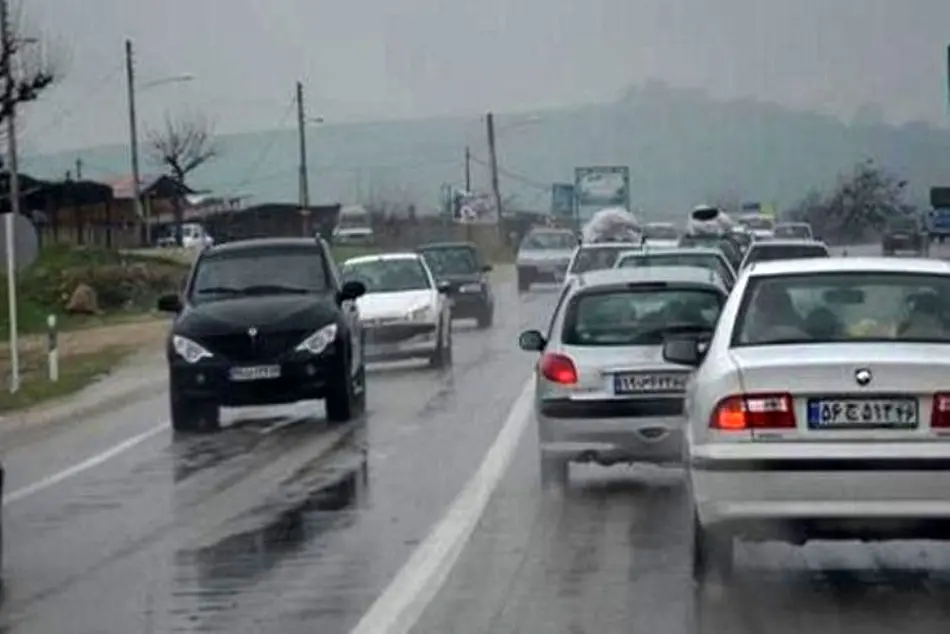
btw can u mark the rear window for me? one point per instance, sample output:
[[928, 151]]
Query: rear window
[[772, 252], [762, 223], [462, 260], [660, 232], [793, 231], [596, 258], [637, 316], [839, 307], [549, 240], [706, 261]]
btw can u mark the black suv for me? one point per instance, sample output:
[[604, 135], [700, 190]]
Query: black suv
[[264, 322], [462, 266], [905, 233]]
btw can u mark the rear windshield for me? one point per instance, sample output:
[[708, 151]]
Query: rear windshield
[[596, 258], [762, 223], [549, 240], [834, 307], [793, 231], [660, 232], [637, 316], [451, 260], [772, 252], [709, 261]]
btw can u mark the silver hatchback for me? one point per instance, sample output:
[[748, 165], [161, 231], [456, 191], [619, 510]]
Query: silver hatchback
[[603, 391]]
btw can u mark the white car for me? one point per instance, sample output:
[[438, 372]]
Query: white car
[[405, 314], [820, 409], [543, 256], [661, 234], [603, 392], [596, 256], [761, 227], [772, 250], [708, 258]]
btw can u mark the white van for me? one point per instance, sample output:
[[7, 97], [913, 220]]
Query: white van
[[353, 226]]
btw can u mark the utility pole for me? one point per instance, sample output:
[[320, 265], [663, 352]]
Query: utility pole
[[304, 181], [493, 165], [78, 169], [468, 169], [9, 104], [134, 143]]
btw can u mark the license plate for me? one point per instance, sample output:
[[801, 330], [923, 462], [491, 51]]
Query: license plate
[[857, 413], [255, 373], [650, 383]]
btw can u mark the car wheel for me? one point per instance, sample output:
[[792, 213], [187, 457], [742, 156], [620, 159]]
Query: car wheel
[[359, 382], [555, 472], [190, 415], [712, 552], [340, 400]]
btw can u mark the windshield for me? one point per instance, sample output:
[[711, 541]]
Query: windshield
[[793, 231], [708, 261], [388, 275], [452, 260], [271, 270], [597, 258], [660, 232], [833, 307], [764, 252], [637, 317], [549, 240]]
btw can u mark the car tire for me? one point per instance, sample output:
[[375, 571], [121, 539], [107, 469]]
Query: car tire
[[359, 381], [442, 357], [191, 415], [713, 552], [340, 401], [555, 472]]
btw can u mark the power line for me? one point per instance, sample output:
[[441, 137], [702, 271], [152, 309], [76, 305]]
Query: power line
[[524, 180], [249, 175]]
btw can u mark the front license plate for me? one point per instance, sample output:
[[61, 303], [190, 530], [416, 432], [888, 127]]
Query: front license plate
[[650, 383], [857, 413], [255, 373]]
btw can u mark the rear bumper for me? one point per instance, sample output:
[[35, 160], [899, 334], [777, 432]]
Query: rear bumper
[[836, 496], [542, 273], [470, 305]]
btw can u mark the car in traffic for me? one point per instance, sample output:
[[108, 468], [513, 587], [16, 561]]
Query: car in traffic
[[463, 267], [761, 227], [596, 256], [708, 258], [732, 244], [793, 231], [661, 234], [783, 250], [264, 322], [603, 392], [905, 234], [405, 312], [821, 408], [543, 256]]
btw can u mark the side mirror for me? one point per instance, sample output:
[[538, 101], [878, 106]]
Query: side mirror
[[351, 290], [684, 351], [169, 304], [487, 268], [445, 287], [531, 341]]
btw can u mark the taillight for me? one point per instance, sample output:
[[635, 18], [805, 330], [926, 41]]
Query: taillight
[[558, 368], [756, 411], [940, 414]]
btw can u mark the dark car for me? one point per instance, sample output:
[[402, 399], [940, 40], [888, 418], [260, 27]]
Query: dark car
[[904, 234], [463, 267], [264, 322]]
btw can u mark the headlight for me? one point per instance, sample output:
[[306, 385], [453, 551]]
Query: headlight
[[318, 341], [470, 288], [189, 350], [423, 313]]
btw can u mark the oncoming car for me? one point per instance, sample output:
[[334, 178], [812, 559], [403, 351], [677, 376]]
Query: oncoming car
[[264, 322], [461, 265], [821, 407], [404, 312], [711, 259], [784, 250], [596, 256], [603, 392]]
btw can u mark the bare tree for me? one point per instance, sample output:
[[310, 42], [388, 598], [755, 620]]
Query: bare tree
[[185, 143]]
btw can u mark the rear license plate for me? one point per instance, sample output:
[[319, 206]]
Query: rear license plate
[[255, 373], [857, 413], [650, 383]]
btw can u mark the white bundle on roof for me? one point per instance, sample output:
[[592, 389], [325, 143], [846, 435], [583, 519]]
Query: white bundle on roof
[[614, 224], [707, 219]]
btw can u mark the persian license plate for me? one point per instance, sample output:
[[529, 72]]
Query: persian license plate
[[650, 383], [859, 413], [255, 373]]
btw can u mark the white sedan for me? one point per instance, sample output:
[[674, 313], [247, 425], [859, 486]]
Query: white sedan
[[820, 409], [405, 314]]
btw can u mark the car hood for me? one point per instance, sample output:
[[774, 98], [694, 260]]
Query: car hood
[[270, 313], [545, 255], [380, 305], [461, 278]]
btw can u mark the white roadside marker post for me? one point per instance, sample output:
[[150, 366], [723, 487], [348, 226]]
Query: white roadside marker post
[[52, 348]]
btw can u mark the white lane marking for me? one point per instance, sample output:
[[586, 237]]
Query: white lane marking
[[85, 465], [402, 602]]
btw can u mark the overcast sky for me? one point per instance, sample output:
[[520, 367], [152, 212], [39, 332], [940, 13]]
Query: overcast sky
[[394, 58]]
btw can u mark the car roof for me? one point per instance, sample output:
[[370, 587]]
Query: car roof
[[608, 278], [376, 257], [851, 265], [252, 243], [787, 242], [647, 251], [610, 245], [793, 224], [447, 245]]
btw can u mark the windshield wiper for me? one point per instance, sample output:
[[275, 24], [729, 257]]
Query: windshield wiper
[[264, 289], [213, 290]]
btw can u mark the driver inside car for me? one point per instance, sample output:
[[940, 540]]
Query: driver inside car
[[923, 320]]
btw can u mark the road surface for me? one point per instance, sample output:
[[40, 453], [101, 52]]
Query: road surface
[[279, 524]]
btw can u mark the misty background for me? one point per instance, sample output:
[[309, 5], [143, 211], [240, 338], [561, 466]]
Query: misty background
[[753, 98]]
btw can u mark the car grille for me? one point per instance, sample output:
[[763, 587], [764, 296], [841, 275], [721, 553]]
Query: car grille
[[396, 333], [266, 346]]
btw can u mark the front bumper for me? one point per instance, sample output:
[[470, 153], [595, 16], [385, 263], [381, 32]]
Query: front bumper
[[398, 341], [795, 492], [612, 431]]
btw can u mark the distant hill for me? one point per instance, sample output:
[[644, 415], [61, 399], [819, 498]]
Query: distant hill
[[682, 148]]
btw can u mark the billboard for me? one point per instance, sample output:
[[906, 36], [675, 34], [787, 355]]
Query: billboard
[[597, 187], [472, 208], [562, 200]]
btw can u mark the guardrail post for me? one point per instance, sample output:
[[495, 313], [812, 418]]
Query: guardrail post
[[52, 348]]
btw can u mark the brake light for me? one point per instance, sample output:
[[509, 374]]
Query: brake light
[[558, 368], [940, 415], [743, 412]]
